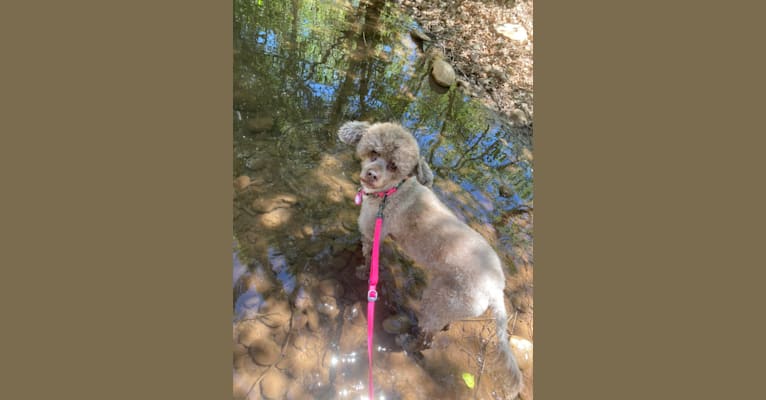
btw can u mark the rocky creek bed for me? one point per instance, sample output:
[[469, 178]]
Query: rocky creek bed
[[302, 67]]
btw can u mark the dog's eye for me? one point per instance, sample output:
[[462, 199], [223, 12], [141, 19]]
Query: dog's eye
[[373, 156], [392, 167]]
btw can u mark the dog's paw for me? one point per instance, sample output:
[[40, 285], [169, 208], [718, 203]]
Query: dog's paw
[[414, 343]]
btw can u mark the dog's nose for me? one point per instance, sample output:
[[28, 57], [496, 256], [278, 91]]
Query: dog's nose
[[371, 175]]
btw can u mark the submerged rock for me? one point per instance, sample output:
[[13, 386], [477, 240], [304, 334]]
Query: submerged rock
[[522, 350], [264, 352], [260, 124], [443, 73], [274, 385], [419, 35], [397, 324], [242, 182]]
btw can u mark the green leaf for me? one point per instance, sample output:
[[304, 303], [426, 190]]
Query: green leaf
[[468, 379]]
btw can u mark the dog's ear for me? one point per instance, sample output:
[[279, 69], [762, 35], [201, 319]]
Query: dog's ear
[[423, 172], [351, 132]]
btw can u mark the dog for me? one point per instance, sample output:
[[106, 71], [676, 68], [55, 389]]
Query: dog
[[467, 275]]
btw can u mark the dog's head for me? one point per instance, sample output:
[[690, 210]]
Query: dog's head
[[389, 153]]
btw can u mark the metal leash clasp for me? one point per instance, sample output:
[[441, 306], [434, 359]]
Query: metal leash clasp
[[372, 295]]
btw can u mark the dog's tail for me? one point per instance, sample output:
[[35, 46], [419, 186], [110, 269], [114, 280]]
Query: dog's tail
[[501, 318]]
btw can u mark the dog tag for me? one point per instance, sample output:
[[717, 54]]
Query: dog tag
[[358, 198]]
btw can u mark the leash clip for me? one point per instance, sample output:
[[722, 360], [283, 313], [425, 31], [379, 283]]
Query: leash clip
[[372, 295]]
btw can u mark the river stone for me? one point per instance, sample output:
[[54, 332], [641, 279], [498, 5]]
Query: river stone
[[418, 35], [328, 306], [331, 287], [242, 182], [443, 73], [276, 218], [522, 350], [512, 31], [518, 117], [396, 324], [274, 385], [264, 352]]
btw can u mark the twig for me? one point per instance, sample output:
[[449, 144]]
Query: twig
[[483, 356]]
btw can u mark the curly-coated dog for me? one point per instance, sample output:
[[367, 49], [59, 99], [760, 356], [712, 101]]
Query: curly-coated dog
[[466, 273]]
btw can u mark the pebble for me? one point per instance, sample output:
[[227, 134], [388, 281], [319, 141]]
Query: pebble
[[308, 230], [443, 73], [242, 182], [512, 31], [396, 324], [419, 35], [522, 350], [276, 218]]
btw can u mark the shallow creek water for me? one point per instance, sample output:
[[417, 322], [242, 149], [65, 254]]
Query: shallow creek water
[[301, 69]]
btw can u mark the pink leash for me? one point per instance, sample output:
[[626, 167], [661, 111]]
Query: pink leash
[[372, 292], [372, 296]]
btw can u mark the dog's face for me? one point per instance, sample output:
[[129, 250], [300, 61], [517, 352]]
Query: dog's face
[[389, 154], [379, 173]]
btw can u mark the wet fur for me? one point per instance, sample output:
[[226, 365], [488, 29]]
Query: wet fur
[[467, 275]]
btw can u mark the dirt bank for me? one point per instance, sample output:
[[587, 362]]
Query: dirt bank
[[490, 45]]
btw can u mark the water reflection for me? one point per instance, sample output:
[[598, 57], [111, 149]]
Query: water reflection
[[301, 68]]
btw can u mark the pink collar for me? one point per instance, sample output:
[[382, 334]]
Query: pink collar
[[358, 198]]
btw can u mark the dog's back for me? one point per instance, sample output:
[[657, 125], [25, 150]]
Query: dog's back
[[466, 273]]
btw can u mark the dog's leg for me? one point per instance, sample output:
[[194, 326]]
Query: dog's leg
[[363, 271]]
